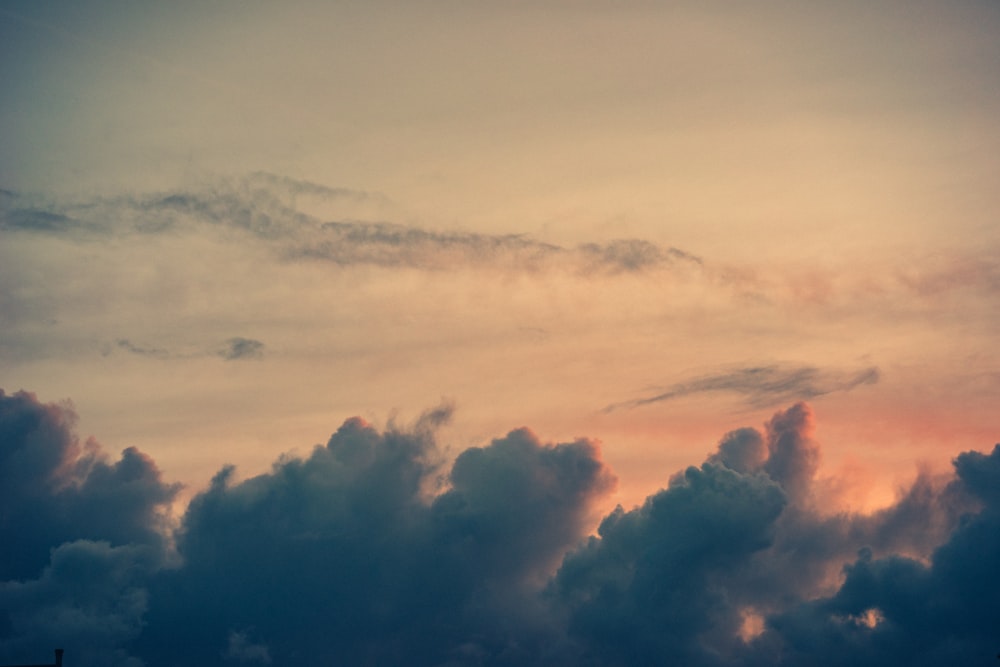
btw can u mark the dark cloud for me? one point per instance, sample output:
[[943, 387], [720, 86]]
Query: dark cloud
[[154, 352], [350, 541], [374, 550], [242, 348], [763, 386], [897, 610], [38, 221], [80, 534], [232, 350]]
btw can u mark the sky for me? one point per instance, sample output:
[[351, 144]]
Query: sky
[[591, 333]]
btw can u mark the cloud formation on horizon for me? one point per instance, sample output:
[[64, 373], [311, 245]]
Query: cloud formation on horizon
[[373, 549]]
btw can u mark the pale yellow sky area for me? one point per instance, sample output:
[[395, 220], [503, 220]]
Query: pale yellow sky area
[[691, 215]]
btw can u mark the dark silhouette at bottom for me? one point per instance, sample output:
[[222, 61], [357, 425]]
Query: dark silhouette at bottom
[[57, 663]]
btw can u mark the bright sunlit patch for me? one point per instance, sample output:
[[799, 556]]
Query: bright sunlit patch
[[752, 626], [869, 619]]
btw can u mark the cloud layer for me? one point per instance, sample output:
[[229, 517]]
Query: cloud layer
[[309, 221], [373, 549]]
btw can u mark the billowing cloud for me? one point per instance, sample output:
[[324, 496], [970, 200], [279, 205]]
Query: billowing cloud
[[375, 549], [81, 536], [349, 539], [763, 386]]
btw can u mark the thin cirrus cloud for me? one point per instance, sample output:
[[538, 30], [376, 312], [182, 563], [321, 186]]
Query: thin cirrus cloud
[[233, 349], [267, 207], [374, 549], [762, 386]]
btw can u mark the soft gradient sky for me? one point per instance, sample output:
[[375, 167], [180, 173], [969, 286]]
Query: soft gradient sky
[[730, 206], [758, 237]]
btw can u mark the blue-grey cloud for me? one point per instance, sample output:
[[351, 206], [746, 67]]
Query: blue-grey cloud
[[81, 535], [233, 349], [348, 535], [242, 348], [373, 549], [762, 386], [266, 207], [154, 352]]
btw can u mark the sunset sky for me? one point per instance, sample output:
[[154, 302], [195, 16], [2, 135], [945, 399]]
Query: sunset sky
[[227, 229]]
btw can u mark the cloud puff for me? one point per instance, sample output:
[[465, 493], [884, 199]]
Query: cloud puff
[[898, 610], [56, 489], [763, 386], [349, 540], [242, 348], [373, 549], [81, 536]]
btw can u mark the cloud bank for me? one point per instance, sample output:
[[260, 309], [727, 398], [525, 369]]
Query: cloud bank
[[374, 549]]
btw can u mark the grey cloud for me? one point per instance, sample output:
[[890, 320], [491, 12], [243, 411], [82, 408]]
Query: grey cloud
[[242, 348], [373, 550], [349, 539], [81, 535], [38, 221], [154, 352], [266, 207], [763, 386], [233, 349], [899, 611], [241, 649], [90, 601], [56, 489]]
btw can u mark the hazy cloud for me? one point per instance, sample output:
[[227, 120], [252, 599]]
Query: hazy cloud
[[763, 386], [270, 208], [154, 352], [232, 350], [242, 348]]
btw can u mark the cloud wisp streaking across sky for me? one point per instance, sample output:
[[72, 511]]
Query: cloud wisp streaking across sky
[[268, 207], [762, 386], [372, 547]]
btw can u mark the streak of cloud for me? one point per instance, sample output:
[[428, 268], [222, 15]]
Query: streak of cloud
[[266, 207], [762, 386], [242, 348]]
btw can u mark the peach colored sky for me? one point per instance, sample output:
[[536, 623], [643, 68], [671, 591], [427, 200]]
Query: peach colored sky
[[542, 210]]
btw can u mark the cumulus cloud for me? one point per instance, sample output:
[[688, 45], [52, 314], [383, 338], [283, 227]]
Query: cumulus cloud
[[350, 536], [81, 535], [763, 386], [375, 549]]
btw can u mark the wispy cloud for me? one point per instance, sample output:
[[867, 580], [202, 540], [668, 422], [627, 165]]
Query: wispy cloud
[[242, 348], [762, 386], [153, 352], [267, 208], [233, 349]]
